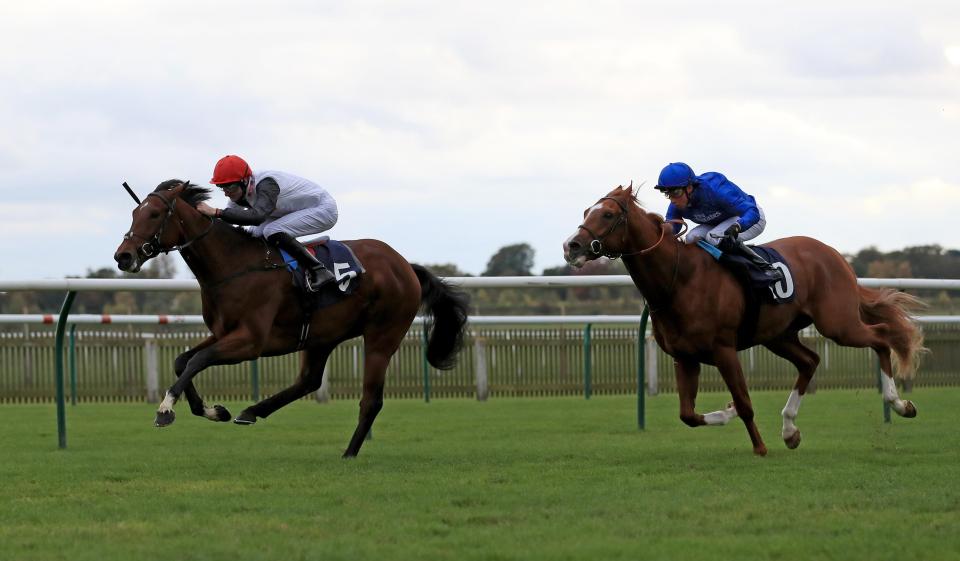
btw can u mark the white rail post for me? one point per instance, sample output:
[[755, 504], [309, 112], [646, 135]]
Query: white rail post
[[150, 357], [651, 366], [480, 366], [323, 394]]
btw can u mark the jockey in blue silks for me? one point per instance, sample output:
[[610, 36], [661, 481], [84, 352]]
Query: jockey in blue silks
[[726, 216]]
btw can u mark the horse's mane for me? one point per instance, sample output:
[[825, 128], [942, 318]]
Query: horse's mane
[[192, 194], [635, 199]]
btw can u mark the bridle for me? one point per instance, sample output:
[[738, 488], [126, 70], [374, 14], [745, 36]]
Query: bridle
[[596, 244], [152, 246]]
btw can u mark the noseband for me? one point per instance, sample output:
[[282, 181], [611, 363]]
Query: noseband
[[152, 247], [596, 244]]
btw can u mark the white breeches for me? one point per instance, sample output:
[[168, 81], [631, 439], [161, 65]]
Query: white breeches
[[305, 222], [703, 231]]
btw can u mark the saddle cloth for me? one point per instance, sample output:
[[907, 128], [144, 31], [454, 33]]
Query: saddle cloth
[[746, 272], [339, 259]]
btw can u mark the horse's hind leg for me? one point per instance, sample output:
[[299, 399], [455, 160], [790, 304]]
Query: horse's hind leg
[[378, 350], [855, 333], [312, 363], [789, 347], [732, 373]]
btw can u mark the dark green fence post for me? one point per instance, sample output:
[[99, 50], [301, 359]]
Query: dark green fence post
[[73, 364], [58, 356], [642, 370], [426, 366], [587, 381], [255, 378]]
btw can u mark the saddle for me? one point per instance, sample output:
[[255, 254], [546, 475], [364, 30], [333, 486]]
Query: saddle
[[757, 287], [339, 259]]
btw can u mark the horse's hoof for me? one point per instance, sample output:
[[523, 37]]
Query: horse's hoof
[[760, 450], [910, 410], [223, 415], [245, 418], [793, 440], [164, 418]]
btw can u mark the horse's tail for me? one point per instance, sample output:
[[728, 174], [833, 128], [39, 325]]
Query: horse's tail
[[893, 308], [447, 309]]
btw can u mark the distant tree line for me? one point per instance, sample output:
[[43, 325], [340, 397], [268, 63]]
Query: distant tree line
[[930, 261]]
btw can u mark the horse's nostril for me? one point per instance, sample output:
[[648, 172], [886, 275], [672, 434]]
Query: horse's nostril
[[574, 245], [123, 260]]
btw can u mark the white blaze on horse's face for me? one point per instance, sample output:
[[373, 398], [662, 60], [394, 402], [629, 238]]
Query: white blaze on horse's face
[[580, 260]]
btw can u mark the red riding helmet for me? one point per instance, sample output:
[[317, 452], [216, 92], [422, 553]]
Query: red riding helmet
[[230, 169]]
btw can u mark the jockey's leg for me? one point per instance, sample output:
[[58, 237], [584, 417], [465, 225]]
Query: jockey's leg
[[771, 272], [318, 275]]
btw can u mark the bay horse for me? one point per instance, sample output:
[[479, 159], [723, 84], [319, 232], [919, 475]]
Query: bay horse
[[697, 306], [252, 308]]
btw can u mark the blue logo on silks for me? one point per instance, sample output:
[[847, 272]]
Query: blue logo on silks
[[781, 292]]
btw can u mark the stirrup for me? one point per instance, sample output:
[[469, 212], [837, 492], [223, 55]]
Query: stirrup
[[318, 278], [773, 273]]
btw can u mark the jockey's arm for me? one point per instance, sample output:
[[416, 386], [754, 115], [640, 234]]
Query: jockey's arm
[[739, 204], [673, 214], [266, 202], [746, 209]]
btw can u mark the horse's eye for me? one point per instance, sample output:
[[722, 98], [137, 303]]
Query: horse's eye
[[608, 215]]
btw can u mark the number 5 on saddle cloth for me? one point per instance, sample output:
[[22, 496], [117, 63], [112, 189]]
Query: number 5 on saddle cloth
[[339, 259]]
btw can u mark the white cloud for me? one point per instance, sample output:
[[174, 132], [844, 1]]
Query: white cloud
[[490, 123]]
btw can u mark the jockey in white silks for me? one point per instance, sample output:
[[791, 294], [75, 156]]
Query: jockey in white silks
[[277, 206]]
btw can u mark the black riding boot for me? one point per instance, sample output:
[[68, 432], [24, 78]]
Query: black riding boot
[[773, 273], [317, 274]]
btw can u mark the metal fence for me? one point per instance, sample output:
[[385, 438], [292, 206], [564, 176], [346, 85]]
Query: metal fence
[[116, 363]]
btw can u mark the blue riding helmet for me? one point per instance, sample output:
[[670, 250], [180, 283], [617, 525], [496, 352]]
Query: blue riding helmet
[[676, 175]]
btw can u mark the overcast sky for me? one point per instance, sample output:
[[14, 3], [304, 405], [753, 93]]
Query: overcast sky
[[450, 129]]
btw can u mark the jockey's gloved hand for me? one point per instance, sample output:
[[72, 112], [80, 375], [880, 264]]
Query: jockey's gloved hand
[[732, 231]]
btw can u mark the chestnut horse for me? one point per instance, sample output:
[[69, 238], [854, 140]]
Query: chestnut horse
[[696, 306], [252, 308]]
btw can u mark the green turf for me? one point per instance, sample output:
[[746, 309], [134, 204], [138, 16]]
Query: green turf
[[549, 478]]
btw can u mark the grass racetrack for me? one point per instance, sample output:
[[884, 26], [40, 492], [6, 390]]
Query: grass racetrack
[[544, 478]]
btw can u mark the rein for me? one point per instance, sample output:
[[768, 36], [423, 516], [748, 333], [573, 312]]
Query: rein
[[596, 244], [152, 247]]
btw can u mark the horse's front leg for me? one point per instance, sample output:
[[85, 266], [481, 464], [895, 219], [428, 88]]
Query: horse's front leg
[[687, 371], [732, 373], [312, 362], [197, 406], [233, 348]]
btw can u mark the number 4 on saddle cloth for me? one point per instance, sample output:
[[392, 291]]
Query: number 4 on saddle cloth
[[757, 286], [338, 259]]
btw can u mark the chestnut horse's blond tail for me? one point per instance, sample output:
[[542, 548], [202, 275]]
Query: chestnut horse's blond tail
[[893, 308]]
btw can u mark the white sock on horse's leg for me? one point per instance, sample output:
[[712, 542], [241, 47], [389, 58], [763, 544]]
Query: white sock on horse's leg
[[167, 403], [720, 417], [789, 413], [890, 394]]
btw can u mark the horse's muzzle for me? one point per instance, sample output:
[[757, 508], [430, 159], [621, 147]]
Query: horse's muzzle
[[127, 261], [574, 253]]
